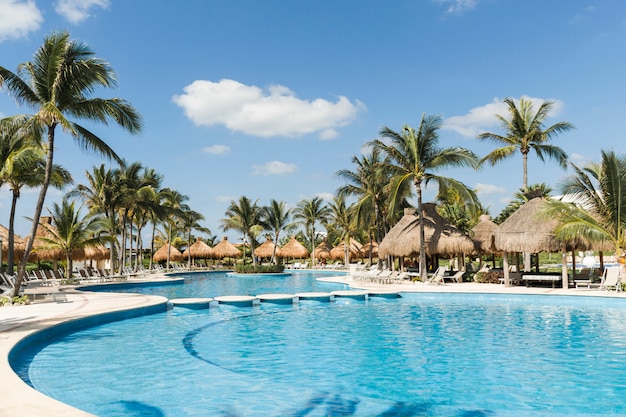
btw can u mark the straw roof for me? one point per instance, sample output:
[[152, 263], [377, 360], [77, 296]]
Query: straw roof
[[440, 236], [322, 251], [96, 253], [354, 251], [225, 249], [524, 231], [18, 246], [265, 250], [198, 249], [366, 249], [161, 254], [293, 249], [40, 249], [483, 234]]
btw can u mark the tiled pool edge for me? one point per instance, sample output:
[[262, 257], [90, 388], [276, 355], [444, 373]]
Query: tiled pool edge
[[16, 396]]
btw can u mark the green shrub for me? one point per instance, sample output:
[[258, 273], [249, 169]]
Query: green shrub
[[488, 277], [259, 269]]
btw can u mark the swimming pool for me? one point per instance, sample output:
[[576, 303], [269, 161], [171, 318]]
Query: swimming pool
[[420, 355]]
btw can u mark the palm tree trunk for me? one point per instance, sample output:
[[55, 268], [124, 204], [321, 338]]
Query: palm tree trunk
[[313, 245], [525, 167], [38, 209], [11, 242], [420, 210], [152, 243]]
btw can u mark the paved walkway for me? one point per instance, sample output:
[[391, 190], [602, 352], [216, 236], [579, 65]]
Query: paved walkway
[[17, 322]]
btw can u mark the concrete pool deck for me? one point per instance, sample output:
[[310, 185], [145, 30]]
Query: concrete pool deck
[[17, 322]]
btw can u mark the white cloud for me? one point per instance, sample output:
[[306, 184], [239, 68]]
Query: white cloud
[[274, 112], [224, 198], [578, 157], [485, 189], [18, 18], [273, 168], [458, 6], [328, 134], [216, 149], [483, 118], [78, 10], [326, 196]]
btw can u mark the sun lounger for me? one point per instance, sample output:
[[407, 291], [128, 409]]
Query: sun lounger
[[611, 279], [457, 277], [437, 278]]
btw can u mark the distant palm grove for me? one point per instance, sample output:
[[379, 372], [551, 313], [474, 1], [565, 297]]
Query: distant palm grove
[[119, 202]]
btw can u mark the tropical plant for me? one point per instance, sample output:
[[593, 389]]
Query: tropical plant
[[58, 83], [190, 220], [344, 221], [173, 206], [310, 212], [70, 230], [597, 211], [275, 218], [524, 131], [245, 217], [414, 159], [521, 196]]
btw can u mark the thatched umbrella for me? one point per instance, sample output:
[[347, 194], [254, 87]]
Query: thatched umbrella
[[40, 250], [354, 251], [265, 250], [524, 231], [95, 253], [293, 249], [483, 234], [198, 249], [225, 249], [322, 251], [441, 237], [161, 254], [374, 249]]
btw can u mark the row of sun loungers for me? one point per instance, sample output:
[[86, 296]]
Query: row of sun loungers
[[386, 276]]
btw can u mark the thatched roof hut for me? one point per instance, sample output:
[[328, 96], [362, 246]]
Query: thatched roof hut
[[374, 249], [198, 249], [225, 249], [41, 251], [265, 250], [293, 249], [483, 234], [354, 251], [96, 253], [441, 237], [18, 246], [322, 251], [525, 231], [161, 254]]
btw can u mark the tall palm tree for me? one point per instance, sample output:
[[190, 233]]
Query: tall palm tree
[[414, 157], [245, 217], [598, 212], [524, 131], [102, 195], [343, 220], [70, 230], [58, 83], [174, 204], [368, 183], [190, 220], [310, 212], [276, 217]]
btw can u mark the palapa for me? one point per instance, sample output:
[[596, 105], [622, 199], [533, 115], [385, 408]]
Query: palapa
[[225, 249], [483, 234], [374, 249], [354, 251], [442, 238], [525, 231], [18, 244], [198, 249], [95, 253], [322, 251], [265, 250], [161, 254], [293, 249]]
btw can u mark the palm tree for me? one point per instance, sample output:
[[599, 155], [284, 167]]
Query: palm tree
[[276, 217], [173, 206], [57, 83], [70, 230], [190, 220], [244, 216], [598, 212], [343, 220], [102, 195], [309, 212], [415, 157], [525, 132], [521, 196], [368, 183]]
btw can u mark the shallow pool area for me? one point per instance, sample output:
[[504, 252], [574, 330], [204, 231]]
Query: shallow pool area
[[419, 355]]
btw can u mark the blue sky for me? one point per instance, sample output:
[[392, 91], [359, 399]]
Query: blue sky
[[268, 99]]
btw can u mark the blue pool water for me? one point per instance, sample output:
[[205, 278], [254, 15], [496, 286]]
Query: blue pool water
[[420, 355]]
